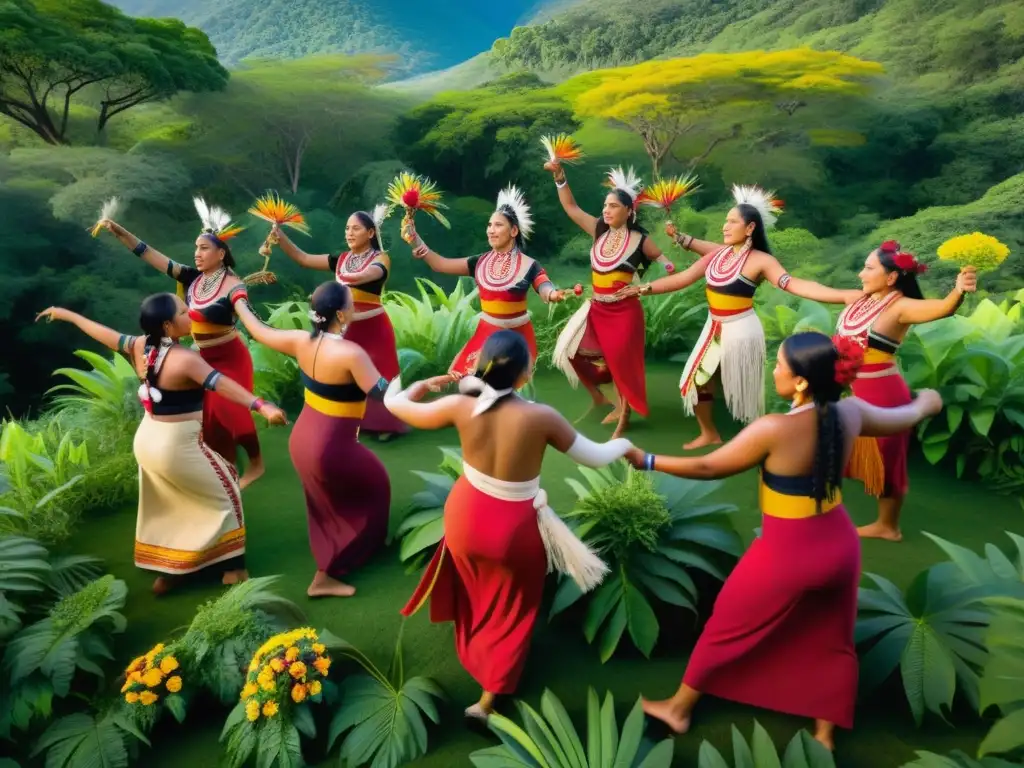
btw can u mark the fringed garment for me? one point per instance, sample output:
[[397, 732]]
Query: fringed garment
[[781, 634], [732, 342], [879, 462], [371, 328], [603, 342]]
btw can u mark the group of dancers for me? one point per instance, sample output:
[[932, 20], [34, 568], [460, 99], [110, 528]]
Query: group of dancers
[[785, 642]]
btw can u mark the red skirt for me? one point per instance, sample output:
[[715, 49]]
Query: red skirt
[[781, 634], [348, 492], [227, 425], [886, 392], [377, 336], [487, 576], [617, 331], [465, 361]]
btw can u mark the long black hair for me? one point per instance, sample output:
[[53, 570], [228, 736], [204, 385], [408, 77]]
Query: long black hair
[[367, 221], [503, 360], [229, 259], [327, 300], [513, 221], [813, 356], [759, 237], [906, 280], [155, 310]]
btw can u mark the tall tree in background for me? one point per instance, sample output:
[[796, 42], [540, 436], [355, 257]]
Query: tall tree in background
[[60, 54], [716, 95]]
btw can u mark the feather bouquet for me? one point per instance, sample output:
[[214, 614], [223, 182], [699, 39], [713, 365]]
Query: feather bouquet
[[273, 209], [415, 193], [664, 193], [983, 252], [562, 149], [109, 210]]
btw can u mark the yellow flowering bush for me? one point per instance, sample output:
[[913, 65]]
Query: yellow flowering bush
[[287, 669], [152, 677], [983, 252]]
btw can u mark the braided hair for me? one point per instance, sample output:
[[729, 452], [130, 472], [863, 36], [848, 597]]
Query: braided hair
[[155, 312], [813, 356], [327, 301]]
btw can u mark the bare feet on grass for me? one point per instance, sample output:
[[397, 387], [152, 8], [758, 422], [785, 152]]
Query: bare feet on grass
[[879, 530], [668, 713], [235, 577], [702, 440], [253, 472], [324, 586]]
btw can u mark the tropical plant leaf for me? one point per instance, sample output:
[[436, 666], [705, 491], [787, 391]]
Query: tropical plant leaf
[[82, 741], [801, 752]]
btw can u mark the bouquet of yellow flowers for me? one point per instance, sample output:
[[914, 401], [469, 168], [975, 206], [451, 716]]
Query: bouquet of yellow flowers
[[289, 668], [152, 679], [983, 252]]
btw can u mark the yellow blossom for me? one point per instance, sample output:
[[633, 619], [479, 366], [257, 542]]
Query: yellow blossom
[[168, 664], [297, 670], [319, 647], [137, 664], [292, 653], [322, 665], [135, 677], [174, 684], [277, 665], [268, 685], [153, 678], [252, 710], [270, 709], [126, 686], [983, 252], [147, 698], [131, 698], [249, 690], [298, 693], [314, 688], [153, 653]]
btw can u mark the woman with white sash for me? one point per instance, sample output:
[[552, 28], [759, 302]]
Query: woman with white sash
[[501, 538]]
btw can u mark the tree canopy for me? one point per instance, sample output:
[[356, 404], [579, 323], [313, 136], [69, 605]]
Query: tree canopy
[[56, 55]]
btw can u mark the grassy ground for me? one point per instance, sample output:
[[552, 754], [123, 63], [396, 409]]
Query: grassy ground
[[885, 734]]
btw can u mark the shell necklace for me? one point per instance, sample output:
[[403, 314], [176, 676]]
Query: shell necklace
[[356, 262], [858, 318], [208, 286], [727, 265], [501, 269], [610, 247]]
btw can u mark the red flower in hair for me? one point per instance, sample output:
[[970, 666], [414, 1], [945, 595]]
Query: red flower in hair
[[905, 262], [889, 246], [850, 357]]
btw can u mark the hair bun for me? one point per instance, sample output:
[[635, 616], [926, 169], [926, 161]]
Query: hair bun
[[849, 359]]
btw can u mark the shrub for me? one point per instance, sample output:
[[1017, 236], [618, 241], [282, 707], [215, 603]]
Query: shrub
[[802, 752]]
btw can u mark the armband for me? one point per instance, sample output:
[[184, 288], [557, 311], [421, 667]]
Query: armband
[[590, 454], [125, 344], [562, 183], [378, 390], [256, 404], [170, 267], [140, 248], [211, 382], [784, 281], [649, 462], [238, 293]]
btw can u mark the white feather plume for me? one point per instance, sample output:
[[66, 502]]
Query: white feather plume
[[627, 181], [759, 199], [511, 196], [214, 219], [379, 213], [110, 208]]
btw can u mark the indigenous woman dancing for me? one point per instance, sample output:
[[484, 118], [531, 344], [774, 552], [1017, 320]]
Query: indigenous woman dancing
[[731, 348], [604, 341], [190, 505], [207, 285], [500, 537], [348, 493], [364, 268], [503, 277], [781, 634], [878, 317]]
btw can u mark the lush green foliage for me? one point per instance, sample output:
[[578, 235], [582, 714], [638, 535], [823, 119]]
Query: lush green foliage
[[1002, 682], [650, 532], [422, 527], [548, 739], [801, 752], [430, 330], [956, 759]]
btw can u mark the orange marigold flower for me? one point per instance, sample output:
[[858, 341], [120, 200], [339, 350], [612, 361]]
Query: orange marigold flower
[[277, 665], [292, 653], [297, 670], [270, 709], [298, 693], [168, 664], [315, 688], [147, 698], [249, 690], [174, 684], [153, 678], [319, 647], [131, 698], [322, 665], [252, 710]]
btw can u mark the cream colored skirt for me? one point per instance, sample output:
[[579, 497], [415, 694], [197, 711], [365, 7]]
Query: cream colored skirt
[[190, 507]]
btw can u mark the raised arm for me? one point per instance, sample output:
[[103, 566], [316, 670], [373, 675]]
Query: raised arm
[[771, 270], [405, 404], [690, 243], [146, 252], [912, 311], [108, 337], [200, 371], [563, 437], [285, 342], [292, 251], [748, 449], [579, 217], [882, 422]]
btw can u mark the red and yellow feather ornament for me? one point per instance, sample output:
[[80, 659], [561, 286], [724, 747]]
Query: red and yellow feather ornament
[[416, 193], [273, 209], [562, 149], [664, 193]]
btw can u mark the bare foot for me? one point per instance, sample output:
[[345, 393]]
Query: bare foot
[[253, 472], [477, 712], [324, 586], [163, 585], [702, 440], [879, 530], [612, 417], [664, 711], [235, 577]]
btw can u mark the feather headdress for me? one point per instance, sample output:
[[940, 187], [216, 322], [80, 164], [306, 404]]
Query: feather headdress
[[108, 211], [379, 213], [216, 221], [627, 181], [765, 202], [512, 200]]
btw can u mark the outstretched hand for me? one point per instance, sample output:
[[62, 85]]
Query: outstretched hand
[[670, 229], [967, 280], [928, 402], [273, 414], [636, 456], [52, 313], [420, 251]]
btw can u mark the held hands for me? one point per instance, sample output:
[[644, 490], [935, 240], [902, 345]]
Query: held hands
[[928, 402], [670, 230], [53, 313], [967, 280], [636, 457], [437, 383], [273, 414], [420, 251]]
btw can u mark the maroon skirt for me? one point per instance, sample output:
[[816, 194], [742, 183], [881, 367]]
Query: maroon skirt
[[781, 634], [227, 425], [376, 335], [348, 492]]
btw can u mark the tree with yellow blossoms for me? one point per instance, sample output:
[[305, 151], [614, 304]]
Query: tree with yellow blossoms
[[716, 93]]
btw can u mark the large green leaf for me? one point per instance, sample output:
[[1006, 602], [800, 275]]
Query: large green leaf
[[80, 741], [801, 752], [1002, 684]]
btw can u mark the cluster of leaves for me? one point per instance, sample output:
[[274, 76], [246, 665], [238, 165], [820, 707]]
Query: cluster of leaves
[[760, 752], [422, 527]]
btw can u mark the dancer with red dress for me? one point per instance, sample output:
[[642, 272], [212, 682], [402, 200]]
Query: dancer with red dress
[[603, 342], [226, 425], [781, 633], [878, 317], [500, 536], [503, 277], [364, 268]]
